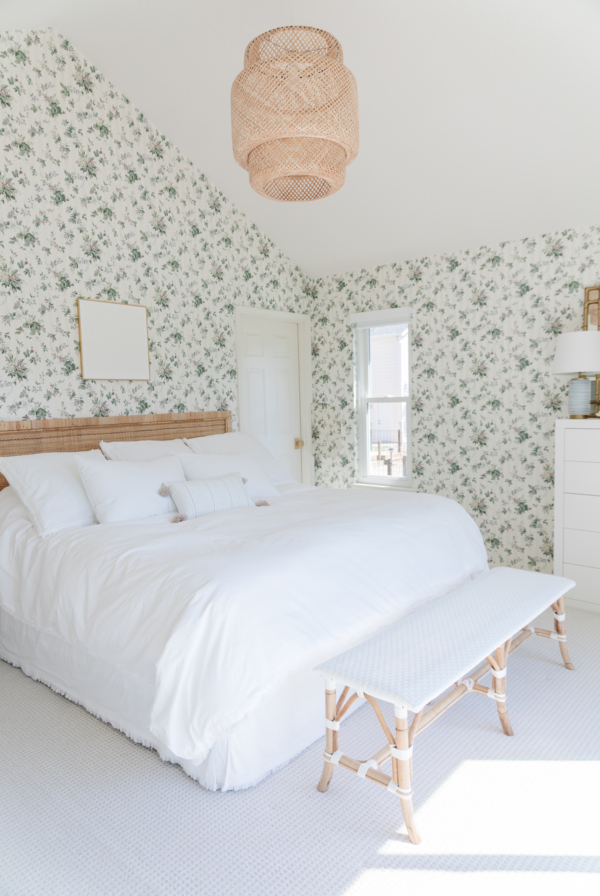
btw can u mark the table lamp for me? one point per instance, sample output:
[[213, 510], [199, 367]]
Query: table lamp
[[579, 354]]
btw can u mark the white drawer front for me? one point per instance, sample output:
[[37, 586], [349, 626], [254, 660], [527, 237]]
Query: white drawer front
[[582, 478], [582, 548], [588, 584], [582, 512], [582, 444]]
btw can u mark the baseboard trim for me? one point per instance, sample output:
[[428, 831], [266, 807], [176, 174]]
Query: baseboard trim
[[582, 604]]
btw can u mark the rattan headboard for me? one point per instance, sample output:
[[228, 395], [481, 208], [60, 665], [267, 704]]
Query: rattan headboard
[[85, 433]]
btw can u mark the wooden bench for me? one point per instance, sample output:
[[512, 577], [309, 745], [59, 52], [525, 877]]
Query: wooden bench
[[415, 660]]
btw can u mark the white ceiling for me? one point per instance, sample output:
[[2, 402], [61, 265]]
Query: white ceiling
[[479, 119]]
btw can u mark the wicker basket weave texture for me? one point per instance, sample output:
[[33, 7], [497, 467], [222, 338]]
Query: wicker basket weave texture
[[294, 112]]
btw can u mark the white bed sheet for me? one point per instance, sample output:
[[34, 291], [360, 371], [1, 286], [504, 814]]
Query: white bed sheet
[[190, 637]]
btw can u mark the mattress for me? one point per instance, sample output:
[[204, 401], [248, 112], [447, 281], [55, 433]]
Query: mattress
[[198, 638]]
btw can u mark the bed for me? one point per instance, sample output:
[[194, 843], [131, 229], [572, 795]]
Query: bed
[[198, 639]]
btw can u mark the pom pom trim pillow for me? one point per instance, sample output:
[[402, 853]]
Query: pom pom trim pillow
[[211, 466], [197, 497]]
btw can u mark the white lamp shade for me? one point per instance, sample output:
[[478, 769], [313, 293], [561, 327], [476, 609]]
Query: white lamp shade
[[577, 352]]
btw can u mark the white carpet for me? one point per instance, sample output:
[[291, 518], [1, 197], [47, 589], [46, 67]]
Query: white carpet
[[84, 812]]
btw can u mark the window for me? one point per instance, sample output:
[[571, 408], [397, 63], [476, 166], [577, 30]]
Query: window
[[382, 342]]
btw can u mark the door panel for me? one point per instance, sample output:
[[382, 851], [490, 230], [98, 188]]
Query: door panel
[[255, 390], [269, 385], [281, 347], [284, 401], [254, 345]]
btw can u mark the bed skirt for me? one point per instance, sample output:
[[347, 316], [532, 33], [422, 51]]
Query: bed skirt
[[287, 721]]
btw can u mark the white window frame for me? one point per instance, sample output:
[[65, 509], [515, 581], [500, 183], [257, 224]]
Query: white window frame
[[362, 323]]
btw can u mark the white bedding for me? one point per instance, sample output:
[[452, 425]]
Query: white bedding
[[206, 618]]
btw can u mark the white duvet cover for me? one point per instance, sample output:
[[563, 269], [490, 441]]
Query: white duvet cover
[[210, 615]]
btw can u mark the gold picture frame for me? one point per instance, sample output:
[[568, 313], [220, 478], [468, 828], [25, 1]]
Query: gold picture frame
[[591, 308], [591, 321], [113, 340]]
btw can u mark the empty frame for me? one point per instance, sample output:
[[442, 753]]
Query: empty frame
[[113, 341]]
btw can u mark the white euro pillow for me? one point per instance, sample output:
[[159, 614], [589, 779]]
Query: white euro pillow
[[198, 497], [50, 487], [129, 490], [143, 450], [210, 466], [234, 442]]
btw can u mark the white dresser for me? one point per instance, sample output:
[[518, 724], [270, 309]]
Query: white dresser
[[577, 509]]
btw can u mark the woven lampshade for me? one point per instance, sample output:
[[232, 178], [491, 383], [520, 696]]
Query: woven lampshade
[[294, 114]]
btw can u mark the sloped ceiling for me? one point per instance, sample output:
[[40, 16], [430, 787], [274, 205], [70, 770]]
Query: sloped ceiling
[[479, 119]]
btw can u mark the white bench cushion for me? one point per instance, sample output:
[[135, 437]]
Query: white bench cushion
[[414, 660]]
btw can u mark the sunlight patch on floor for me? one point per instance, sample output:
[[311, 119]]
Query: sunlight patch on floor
[[393, 882], [510, 807]]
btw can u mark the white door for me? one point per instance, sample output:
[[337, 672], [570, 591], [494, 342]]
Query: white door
[[269, 386]]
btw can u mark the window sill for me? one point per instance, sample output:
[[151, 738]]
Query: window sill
[[407, 487]]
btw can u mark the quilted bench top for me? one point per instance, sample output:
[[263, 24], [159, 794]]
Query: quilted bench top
[[412, 661]]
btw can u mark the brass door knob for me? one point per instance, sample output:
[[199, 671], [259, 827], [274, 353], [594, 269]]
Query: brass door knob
[[298, 443]]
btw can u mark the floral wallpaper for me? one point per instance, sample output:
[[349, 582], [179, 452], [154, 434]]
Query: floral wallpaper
[[484, 400], [94, 202]]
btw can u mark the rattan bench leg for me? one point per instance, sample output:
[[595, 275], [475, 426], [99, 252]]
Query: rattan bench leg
[[331, 738], [499, 685], [402, 774], [560, 627]]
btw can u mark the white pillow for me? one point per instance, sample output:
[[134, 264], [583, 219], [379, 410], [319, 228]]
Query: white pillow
[[50, 487], [233, 442], [129, 490], [143, 450], [208, 466], [201, 496]]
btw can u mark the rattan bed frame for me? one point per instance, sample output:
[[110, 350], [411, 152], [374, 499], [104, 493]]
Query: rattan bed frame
[[85, 433]]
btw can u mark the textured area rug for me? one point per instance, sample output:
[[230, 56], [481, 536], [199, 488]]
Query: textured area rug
[[85, 812]]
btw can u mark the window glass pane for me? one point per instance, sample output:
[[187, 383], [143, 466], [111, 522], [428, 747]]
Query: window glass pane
[[387, 438], [388, 360]]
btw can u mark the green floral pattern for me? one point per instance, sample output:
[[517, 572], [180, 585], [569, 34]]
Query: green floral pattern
[[95, 203], [484, 400]]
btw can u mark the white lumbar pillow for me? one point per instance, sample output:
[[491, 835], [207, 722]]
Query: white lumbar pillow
[[234, 442], [50, 487], [209, 466], [198, 497], [129, 490], [147, 450]]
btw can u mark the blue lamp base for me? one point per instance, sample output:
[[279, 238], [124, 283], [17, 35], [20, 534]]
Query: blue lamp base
[[581, 394]]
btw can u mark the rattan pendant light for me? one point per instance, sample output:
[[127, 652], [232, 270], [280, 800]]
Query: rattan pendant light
[[294, 114]]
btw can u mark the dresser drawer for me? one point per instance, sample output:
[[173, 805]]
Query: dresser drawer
[[582, 478], [581, 548], [582, 512], [588, 585], [583, 445]]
